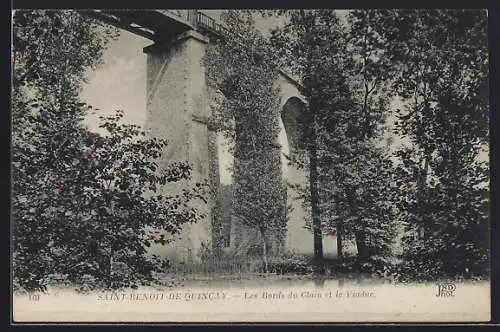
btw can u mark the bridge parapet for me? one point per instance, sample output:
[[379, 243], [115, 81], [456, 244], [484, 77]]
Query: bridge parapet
[[181, 13], [210, 25]]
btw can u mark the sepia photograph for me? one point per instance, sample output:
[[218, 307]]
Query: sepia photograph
[[250, 165]]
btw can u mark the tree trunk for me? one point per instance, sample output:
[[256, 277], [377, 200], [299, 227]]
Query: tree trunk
[[110, 269], [359, 234], [316, 220], [363, 252], [313, 187], [420, 194], [340, 232], [312, 148], [264, 251]]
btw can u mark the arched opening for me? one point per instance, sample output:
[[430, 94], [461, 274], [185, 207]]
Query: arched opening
[[299, 239], [295, 172], [226, 164], [294, 163]]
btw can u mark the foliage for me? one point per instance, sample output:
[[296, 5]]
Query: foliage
[[441, 60], [95, 209], [290, 264], [310, 44], [357, 174], [360, 201], [89, 205], [206, 251], [44, 44], [347, 104], [436, 62], [243, 70], [82, 203]]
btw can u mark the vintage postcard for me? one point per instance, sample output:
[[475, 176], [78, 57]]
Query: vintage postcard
[[288, 165]]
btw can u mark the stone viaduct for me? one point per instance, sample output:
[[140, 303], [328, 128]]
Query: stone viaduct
[[178, 109]]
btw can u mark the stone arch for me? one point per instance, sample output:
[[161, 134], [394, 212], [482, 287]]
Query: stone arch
[[225, 166], [299, 238], [290, 115]]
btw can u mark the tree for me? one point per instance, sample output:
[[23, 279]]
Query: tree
[[260, 181], [82, 202], [346, 77], [441, 57], [358, 196], [354, 161], [243, 70], [46, 66], [310, 44]]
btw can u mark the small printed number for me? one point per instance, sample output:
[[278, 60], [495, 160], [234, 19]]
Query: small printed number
[[34, 297]]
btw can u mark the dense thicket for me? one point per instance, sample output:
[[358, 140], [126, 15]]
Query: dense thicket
[[425, 178], [83, 203], [441, 70]]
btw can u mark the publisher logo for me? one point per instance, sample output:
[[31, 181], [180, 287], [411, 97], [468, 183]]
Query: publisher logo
[[446, 289]]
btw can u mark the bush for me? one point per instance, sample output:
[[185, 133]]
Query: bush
[[288, 263], [205, 253]]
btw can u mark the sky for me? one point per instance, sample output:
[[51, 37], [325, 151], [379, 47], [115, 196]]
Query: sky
[[120, 82]]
